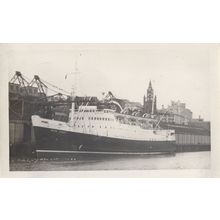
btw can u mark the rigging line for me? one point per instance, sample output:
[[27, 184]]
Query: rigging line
[[57, 91], [83, 109], [47, 83], [25, 77], [28, 79], [48, 88], [168, 109], [54, 86]]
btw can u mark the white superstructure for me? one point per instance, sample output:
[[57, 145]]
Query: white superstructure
[[106, 123]]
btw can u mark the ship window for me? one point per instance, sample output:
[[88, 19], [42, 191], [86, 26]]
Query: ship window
[[106, 119], [82, 126], [89, 118], [77, 118], [100, 127], [82, 118], [97, 118], [92, 126], [88, 126], [78, 126], [94, 118]]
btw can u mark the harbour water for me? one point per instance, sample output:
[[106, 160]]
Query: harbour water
[[189, 160]]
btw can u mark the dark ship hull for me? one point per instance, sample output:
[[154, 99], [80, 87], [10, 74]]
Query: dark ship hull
[[58, 143]]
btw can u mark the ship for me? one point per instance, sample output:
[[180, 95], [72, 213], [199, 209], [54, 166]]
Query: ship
[[90, 129]]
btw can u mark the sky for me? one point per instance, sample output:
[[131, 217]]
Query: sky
[[177, 71]]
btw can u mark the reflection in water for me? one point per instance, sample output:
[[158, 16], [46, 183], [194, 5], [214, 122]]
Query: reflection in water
[[192, 160]]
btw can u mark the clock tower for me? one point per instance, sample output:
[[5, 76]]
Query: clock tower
[[150, 102]]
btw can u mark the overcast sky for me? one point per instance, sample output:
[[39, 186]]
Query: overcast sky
[[177, 71]]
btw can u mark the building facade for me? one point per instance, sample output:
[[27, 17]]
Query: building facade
[[176, 113]]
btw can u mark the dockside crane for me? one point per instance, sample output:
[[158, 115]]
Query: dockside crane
[[42, 88], [20, 80]]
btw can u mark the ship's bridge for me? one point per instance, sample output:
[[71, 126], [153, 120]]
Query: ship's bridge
[[87, 108], [108, 110], [94, 109]]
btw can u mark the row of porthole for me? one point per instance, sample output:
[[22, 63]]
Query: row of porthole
[[90, 126], [87, 110], [99, 118], [105, 111]]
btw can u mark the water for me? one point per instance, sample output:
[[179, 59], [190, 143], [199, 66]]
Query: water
[[191, 160]]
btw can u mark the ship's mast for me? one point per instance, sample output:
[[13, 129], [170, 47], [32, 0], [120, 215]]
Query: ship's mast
[[74, 87], [76, 72], [75, 82]]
